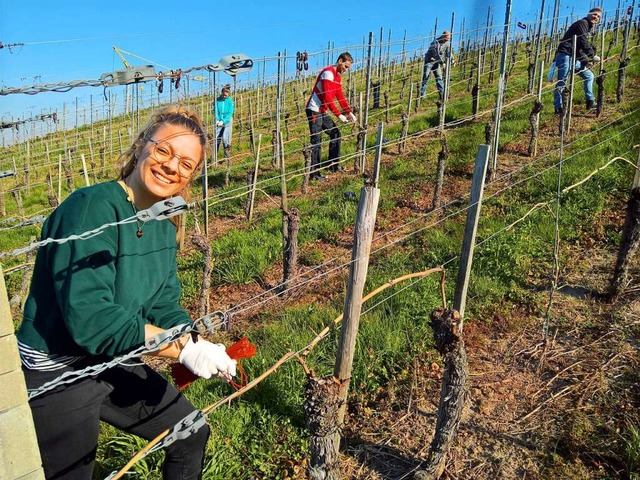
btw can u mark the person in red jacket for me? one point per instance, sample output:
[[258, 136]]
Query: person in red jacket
[[327, 89]]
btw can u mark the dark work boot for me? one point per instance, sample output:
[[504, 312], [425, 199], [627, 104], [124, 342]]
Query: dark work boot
[[227, 152], [591, 105]]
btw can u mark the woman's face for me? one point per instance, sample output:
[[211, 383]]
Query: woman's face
[[167, 162]]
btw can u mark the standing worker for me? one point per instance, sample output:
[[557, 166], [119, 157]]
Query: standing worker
[[99, 297], [435, 57], [585, 57], [224, 109], [327, 89]]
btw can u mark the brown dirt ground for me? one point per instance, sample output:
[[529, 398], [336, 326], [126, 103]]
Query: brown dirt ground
[[533, 401]]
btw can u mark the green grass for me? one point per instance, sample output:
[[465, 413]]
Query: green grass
[[262, 435]]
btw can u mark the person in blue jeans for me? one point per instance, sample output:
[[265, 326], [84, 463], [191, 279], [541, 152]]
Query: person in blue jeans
[[585, 57], [435, 57], [224, 109]]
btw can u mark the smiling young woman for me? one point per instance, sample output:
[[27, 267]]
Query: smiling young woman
[[93, 299]]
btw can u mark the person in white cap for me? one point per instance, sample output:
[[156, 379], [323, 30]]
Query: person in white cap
[[436, 55]]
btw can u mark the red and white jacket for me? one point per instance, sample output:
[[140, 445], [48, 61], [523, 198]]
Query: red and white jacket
[[328, 87]]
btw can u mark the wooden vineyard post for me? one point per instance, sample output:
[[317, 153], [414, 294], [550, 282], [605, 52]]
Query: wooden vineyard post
[[19, 455], [447, 78], [534, 118], [68, 165], [363, 236], [26, 169], [537, 49], [291, 219], [475, 91], [325, 399], [447, 331], [572, 77], [59, 178], [84, 170], [624, 60], [600, 78], [201, 242], [365, 117], [471, 226], [630, 242], [500, 96], [443, 155], [306, 153], [254, 179]]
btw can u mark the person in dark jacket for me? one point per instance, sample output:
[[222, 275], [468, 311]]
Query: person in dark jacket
[[435, 57], [585, 57], [97, 298]]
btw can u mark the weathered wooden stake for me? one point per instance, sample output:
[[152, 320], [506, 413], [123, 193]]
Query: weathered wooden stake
[[254, 180], [365, 115], [443, 155], [624, 59], [600, 79], [534, 118], [59, 178], [538, 38], [447, 332], [201, 242], [291, 218], [501, 91], [18, 198], [363, 235], [306, 153], [471, 226], [572, 77], [326, 417], [630, 242], [84, 170], [403, 134]]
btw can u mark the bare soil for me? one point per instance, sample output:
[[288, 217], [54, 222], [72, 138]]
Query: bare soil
[[549, 395]]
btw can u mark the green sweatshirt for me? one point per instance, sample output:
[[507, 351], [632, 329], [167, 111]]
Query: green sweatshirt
[[95, 296]]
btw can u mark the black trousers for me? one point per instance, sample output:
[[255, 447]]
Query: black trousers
[[135, 399], [318, 123]]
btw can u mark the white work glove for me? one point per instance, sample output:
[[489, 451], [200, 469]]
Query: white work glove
[[342, 118], [596, 59], [220, 123], [351, 117], [206, 359]]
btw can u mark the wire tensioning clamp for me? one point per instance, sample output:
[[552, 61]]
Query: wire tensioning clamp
[[167, 208]]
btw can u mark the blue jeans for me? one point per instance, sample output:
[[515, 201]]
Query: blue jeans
[[224, 134], [563, 62], [426, 71]]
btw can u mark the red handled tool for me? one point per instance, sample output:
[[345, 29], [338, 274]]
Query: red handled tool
[[243, 348]]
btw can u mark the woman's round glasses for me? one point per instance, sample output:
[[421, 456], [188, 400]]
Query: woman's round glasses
[[163, 152]]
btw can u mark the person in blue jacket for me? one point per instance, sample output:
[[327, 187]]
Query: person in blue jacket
[[224, 109]]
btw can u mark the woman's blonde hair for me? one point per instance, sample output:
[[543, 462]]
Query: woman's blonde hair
[[177, 115]]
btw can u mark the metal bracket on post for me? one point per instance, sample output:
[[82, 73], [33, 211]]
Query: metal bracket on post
[[163, 209], [232, 64], [141, 73]]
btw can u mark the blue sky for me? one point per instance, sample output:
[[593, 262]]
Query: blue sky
[[73, 39]]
